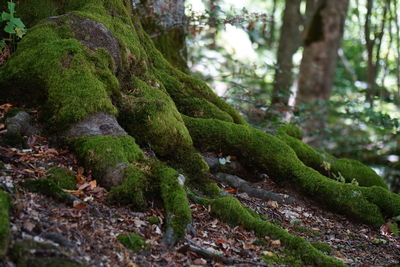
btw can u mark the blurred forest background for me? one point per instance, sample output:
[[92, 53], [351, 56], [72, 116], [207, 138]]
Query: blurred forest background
[[330, 67]]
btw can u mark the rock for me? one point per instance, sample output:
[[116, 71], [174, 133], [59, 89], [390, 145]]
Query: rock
[[92, 34], [96, 125], [21, 124]]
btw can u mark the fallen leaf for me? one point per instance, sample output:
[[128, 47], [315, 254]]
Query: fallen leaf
[[272, 204], [230, 190], [6, 107], [80, 205], [276, 243], [200, 261]]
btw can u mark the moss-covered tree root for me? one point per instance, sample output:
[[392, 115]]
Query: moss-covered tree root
[[231, 210], [327, 164], [4, 222], [272, 155]]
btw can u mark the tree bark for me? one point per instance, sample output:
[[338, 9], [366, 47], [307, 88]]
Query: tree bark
[[289, 43], [317, 69], [164, 22]]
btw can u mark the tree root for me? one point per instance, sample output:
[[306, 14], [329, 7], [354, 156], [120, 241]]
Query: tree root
[[273, 156], [230, 210], [244, 186], [196, 248]]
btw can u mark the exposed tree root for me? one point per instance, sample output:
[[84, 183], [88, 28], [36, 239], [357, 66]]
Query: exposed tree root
[[244, 186], [231, 210], [273, 156], [196, 248]]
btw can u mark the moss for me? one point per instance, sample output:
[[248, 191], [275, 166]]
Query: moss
[[395, 229], [66, 77], [100, 153], [172, 45], [49, 188], [133, 242], [350, 169], [325, 248], [353, 169], [272, 155], [5, 202], [153, 220], [13, 111], [174, 197], [32, 12], [307, 231], [22, 256], [230, 210], [63, 177], [291, 130], [131, 191], [13, 140]]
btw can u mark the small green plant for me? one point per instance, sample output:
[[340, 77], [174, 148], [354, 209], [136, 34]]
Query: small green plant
[[339, 177], [14, 26]]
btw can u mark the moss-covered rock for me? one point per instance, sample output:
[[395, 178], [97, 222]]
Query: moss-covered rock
[[49, 188], [5, 203], [105, 154], [63, 177], [22, 256], [133, 242]]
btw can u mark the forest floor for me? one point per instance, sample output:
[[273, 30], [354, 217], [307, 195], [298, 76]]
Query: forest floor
[[86, 231]]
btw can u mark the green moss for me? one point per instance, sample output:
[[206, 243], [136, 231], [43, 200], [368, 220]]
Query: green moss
[[272, 155], [230, 210], [13, 140], [22, 256], [13, 111], [49, 188], [353, 169], [100, 153], [133, 242], [4, 222], [174, 197], [66, 77], [291, 130], [395, 229], [325, 248], [153, 220], [350, 169], [131, 191], [63, 177], [307, 231]]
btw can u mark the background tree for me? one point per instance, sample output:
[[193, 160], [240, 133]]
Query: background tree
[[318, 65]]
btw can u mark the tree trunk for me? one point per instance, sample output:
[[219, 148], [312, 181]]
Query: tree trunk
[[164, 22], [289, 43], [317, 69], [105, 89]]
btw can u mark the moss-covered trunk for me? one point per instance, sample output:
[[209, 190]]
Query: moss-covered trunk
[[100, 83]]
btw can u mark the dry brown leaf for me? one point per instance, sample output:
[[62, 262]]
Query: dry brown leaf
[[200, 261], [272, 204], [80, 205], [276, 243]]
